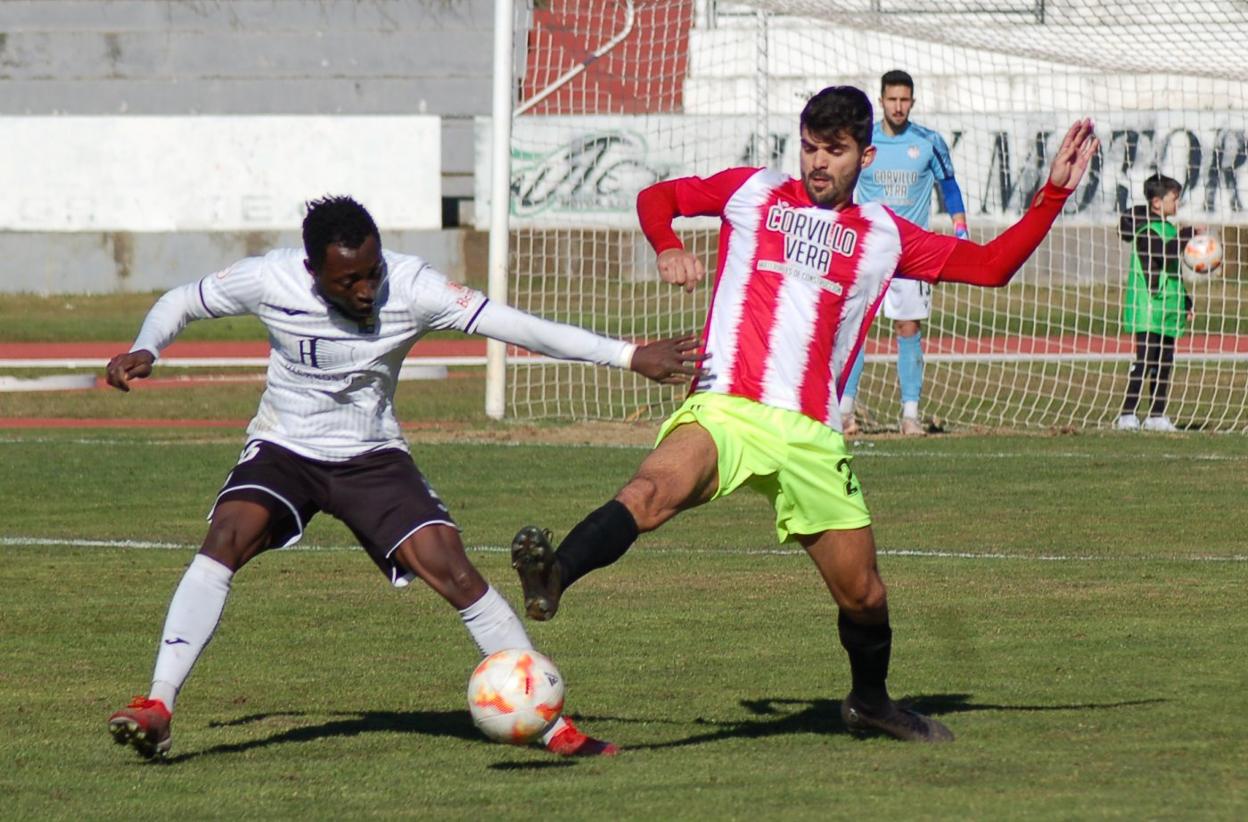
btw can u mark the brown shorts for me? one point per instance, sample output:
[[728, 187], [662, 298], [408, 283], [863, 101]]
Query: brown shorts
[[382, 497]]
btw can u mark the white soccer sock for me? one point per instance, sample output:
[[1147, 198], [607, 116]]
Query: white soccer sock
[[193, 615], [493, 625], [554, 730], [847, 405], [910, 409]]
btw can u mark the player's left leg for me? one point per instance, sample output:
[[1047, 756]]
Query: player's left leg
[[680, 473], [846, 560], [436, 555], [408, 532]]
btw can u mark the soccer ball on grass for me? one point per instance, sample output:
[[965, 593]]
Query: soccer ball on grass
[[1202, 257], [515, 695]]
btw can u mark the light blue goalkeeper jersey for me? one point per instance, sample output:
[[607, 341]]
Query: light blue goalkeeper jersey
[[906, 167]]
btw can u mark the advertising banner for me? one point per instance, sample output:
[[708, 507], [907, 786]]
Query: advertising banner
[[586, 171]]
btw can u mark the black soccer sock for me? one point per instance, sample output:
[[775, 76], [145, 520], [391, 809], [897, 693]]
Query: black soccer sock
[[1161, 381], [596, 542], [869, 647]]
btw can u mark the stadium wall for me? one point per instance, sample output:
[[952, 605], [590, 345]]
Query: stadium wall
[[191, 58]]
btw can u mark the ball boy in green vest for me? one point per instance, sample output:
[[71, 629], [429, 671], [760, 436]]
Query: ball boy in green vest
[[1157, 308]]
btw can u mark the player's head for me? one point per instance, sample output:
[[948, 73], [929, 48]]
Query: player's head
[[836, 144], [343, 251], [1162, 194], [896, 98]]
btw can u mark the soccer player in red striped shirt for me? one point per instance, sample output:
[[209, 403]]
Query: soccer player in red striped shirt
[[802, 271]]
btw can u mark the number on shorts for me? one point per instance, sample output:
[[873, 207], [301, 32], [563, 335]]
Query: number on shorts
[[851, 482]]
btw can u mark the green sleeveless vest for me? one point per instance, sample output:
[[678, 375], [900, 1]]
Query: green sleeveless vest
[[1166, 312]]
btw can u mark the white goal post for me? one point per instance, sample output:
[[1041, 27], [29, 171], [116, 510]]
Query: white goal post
[[607, 96]]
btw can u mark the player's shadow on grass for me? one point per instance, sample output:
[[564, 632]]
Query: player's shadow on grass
[[455, 724], [823, 716]]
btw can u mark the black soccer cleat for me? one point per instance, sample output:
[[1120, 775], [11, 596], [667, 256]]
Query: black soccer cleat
[[533, 557], [894, 720]]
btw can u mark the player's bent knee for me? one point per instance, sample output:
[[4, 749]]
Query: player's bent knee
[[866, 601], [642, 499], [436, 555], [229, 548]]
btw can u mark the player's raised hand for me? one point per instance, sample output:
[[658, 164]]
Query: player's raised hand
[[672, 361], [125, 367], [1076, 151], [680, 267]]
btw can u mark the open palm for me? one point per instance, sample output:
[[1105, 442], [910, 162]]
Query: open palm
[[1075, 153]]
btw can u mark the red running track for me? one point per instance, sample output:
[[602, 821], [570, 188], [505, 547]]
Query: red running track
[[999, 344]]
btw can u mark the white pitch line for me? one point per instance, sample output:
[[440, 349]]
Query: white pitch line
[[47, 542], [414, 434], [467, 438]]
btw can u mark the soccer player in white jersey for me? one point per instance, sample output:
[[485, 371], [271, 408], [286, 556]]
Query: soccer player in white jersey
[[909, 160], [802, 270], [341, 315]]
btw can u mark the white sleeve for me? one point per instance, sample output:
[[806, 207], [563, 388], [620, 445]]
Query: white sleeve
[[228, 293], [443, 303], [565, 342]]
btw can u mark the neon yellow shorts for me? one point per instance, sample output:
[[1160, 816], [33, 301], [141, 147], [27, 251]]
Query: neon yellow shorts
[[800, 465]]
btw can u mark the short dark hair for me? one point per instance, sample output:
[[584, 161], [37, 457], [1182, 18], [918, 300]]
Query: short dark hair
[[335, 221], [896, 77], [840, 109], [1159, 185]]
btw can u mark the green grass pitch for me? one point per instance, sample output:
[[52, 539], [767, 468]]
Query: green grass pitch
[[1073, 607]]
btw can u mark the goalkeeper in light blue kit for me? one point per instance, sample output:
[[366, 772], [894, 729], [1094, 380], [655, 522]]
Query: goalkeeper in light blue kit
[[909, 159]]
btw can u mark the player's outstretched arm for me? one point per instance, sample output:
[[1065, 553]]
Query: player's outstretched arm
[[133, 365], [995, 263], [669, 361]]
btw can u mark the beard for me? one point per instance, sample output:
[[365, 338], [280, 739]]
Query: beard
[[830, 194]]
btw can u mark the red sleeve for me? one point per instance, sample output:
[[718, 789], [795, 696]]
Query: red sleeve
[[661, 203], [996, 262], [923, 252]]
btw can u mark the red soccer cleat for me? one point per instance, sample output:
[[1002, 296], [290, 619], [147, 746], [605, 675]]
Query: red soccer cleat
[[571, 742], [144, 725]]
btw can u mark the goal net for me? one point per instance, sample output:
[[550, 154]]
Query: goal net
[[613, 95]]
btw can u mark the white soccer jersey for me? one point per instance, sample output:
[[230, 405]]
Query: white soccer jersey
[[797, 286], [331, 381]]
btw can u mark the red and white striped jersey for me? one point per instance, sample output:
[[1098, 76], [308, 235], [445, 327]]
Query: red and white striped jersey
[[797, 285]]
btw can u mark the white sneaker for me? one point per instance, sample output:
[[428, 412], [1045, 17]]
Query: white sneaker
[[1161, 423], [1127, 422], [911, 427]]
